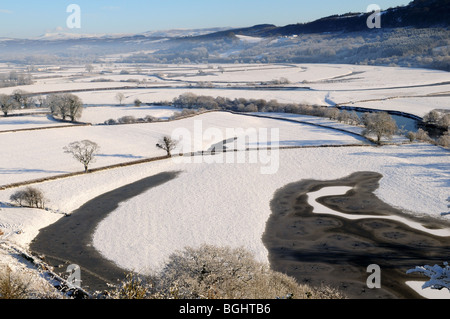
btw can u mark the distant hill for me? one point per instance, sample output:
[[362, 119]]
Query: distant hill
[[418, 14], [415, 35]]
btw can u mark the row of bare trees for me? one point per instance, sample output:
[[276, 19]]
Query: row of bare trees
[[65, 106], [86, 150]]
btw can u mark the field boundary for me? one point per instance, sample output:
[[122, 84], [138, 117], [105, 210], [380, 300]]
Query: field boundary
[[160, 158], [94, 170]]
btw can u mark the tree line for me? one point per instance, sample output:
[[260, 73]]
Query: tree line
[[15, 78], [66, 106], [378, 124]]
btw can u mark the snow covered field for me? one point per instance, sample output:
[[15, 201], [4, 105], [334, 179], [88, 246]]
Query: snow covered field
[[40, 153], [215, 203], [411, 90], [27, 122], [228, 204], [99, 114]]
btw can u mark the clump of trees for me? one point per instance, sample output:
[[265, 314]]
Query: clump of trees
[[15, 78], [190, 101], [380, 124], [65, 106], [438, 119], [84, 152], [130, 119], [17, 100], [29, 197], [210, 272]]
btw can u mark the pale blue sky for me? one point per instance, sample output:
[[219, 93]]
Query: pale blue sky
[[31, 18]]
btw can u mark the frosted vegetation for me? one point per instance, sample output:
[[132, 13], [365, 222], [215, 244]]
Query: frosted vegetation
[[391, 47]]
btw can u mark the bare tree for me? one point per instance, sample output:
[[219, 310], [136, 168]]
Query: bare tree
[[7, 104], [167, 144], [89, 68], [120, 97], [380, 124], [74, 106], [56, 105], [83, 151]]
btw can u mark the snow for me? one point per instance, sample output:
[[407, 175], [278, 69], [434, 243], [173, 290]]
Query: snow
[[428, 292], [228, 204], [21, 225], [213, 202], [390, 88], [99, 114], [27, 122], [124, 143], [332, 191]]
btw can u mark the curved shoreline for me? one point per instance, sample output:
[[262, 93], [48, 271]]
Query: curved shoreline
[[69, 240], [319, 248]]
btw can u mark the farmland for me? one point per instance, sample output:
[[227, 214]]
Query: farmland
[[223, 198]]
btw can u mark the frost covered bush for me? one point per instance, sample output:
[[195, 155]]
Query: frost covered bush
[[422, 135], [438, 119], [111, 122], [128, 119], [211, 272], [12, 286], [224, 273], [411, 136], [444, 140], [24, 284], [149, 119], [439, 276], [132, 287]]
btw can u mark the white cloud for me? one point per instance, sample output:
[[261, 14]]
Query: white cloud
[[6, 11]]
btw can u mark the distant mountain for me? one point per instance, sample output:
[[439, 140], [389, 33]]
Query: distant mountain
[[176, 33], [418, 14], [171, 33], [62, 36]]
